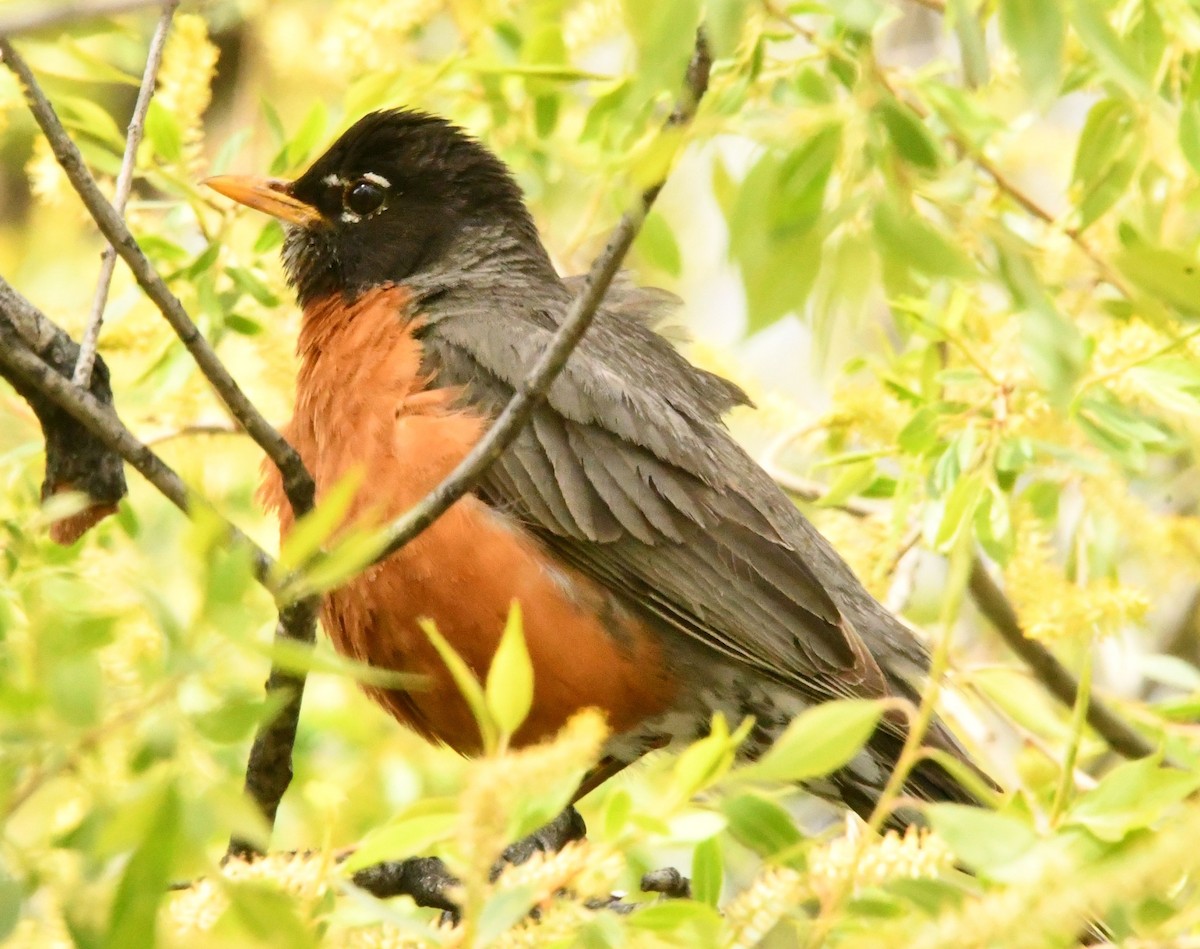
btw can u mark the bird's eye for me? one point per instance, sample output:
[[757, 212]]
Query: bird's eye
[[364, 197]]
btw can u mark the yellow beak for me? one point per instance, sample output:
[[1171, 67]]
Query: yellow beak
[[268, 195]]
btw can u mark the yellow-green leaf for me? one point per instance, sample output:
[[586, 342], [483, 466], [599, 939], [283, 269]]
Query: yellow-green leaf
[[509, 689]]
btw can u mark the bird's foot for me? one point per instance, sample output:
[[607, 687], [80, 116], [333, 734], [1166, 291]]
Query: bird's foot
[[428, 881], [667, 882]]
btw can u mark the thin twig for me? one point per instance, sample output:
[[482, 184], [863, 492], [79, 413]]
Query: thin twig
[[533, 387], [43, 16], [133, 138], [19, 360], [297, 483]]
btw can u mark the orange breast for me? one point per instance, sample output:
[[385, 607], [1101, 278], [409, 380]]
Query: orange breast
[[362, 405]]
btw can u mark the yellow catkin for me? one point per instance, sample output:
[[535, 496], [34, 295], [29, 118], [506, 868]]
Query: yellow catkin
[[496, 782], [363, 37], [755, 912], [590, 22], [584, 869], [197, 909], [855, 861], [47, 181], [1050, 606], [185, 81]]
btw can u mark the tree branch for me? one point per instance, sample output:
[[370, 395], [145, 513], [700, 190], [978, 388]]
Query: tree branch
[[133, 137], [992, 603], [19, 361], [40, 16], [582, 311], [269, 769], [75, 459], [297, 482]]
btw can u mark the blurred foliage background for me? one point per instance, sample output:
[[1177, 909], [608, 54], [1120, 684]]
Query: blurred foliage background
[[949, 247]]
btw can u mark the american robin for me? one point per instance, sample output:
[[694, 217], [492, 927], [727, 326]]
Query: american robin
[[663, 576]]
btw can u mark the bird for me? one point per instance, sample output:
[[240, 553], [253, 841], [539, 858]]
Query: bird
[[662, 574]]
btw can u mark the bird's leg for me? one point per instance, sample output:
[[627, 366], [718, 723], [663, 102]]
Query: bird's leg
[[428, 881], [566, 828]]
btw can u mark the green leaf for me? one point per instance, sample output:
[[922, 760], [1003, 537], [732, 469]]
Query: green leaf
[[760, 824], [708, 871], [1171, 381], [1134, 795], [294, 656], [1189, 133], [905, 237], [908, 135], [509, 689], [10, 904], [84, 115], [1055, 350], [921, 433], [310, 532], [724, 23], [993, 525], [243, 325], [776, 224], [1167, 275], [1036, 31], [817, 742], [1105, 159], [467, 685], [144, 882], [163, 133], [664, 35], [76, 688], [250, 284], [985, 841], [1123, 432], [705, 761], [850, 482], [959, 509], [683, 922], [656, 245], [503, 910], [265, 914], [237, 716], [417, 828], [1110, 51]]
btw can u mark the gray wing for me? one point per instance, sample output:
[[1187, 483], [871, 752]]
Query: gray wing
[[627, 473]]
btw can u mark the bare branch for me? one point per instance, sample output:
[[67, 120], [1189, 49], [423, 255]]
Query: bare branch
[[994, 605], [579, 317], [133, 138], [42, 16], [297, 482]]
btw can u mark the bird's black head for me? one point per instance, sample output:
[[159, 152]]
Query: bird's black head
[[391, 198]]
